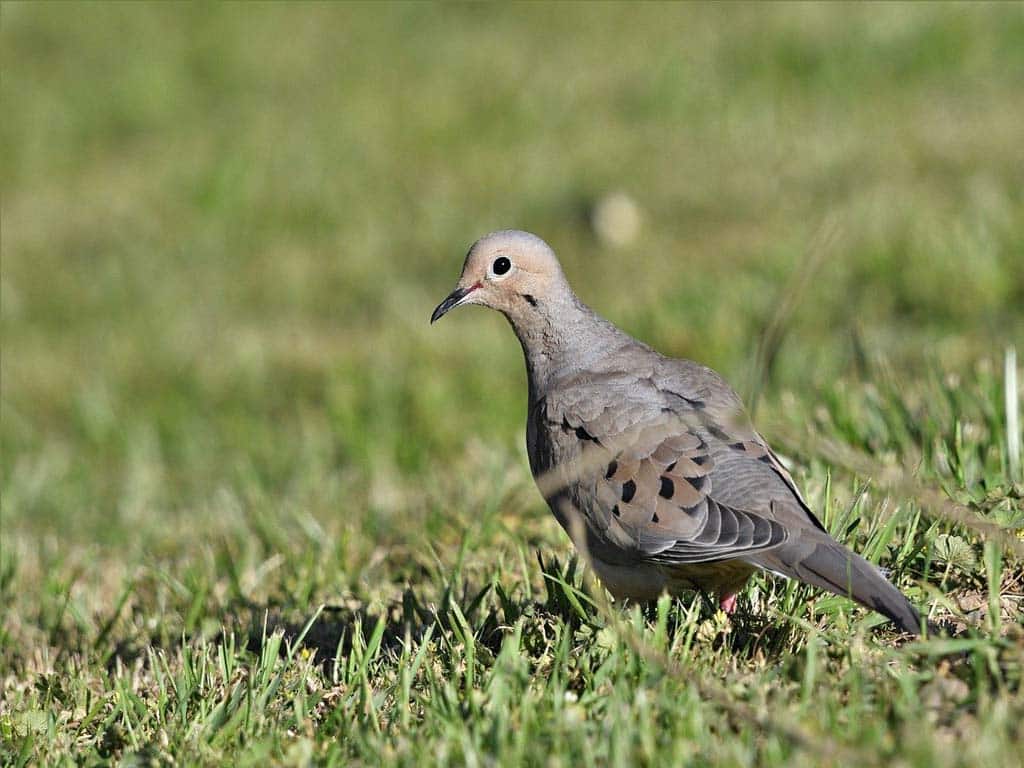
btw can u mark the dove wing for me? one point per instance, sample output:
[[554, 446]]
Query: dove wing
[[664, 475]]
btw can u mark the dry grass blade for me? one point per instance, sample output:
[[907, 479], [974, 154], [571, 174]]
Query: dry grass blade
[[1012, 411], [771, 337]]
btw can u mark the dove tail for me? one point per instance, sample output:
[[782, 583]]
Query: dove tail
[[826, 564]]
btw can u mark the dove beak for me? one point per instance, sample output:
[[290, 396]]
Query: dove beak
[[454, 299]]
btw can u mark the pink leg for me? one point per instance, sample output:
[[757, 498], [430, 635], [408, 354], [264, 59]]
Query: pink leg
[[727, 603]]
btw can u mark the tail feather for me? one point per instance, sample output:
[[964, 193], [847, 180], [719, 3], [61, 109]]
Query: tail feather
[[824, 563]]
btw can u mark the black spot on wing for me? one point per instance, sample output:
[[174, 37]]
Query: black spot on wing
[[580, 432], [612, 468], [718, 434], [628, 491], [668, 488], [697, 482], [693, 402]]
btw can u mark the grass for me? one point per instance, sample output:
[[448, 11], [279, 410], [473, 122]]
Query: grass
[[256, 511]]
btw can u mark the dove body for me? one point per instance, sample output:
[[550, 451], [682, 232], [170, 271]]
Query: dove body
[[650, 463]]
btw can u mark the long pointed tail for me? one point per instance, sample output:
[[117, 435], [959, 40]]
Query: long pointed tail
[[823, 562]]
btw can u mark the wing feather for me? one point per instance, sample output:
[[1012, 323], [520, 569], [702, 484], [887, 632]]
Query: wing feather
[[654, 485]]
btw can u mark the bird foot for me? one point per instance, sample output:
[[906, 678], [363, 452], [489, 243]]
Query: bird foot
[[727, 603]]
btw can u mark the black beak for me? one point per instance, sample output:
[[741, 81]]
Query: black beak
[[453, 300]]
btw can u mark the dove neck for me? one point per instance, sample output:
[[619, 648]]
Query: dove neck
[[560, 338]]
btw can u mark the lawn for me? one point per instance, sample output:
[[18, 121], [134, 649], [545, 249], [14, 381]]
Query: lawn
[[256, 510]]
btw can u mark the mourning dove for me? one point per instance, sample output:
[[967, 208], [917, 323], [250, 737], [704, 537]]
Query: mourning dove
[[649, 463]]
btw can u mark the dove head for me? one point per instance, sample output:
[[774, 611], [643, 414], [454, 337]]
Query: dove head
[[513, 272]]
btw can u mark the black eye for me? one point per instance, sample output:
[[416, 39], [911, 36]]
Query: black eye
[[501, 265]]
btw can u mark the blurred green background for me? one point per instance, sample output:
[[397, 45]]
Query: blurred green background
[[224, 228]]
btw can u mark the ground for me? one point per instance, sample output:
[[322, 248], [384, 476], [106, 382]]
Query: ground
[[255, 509]]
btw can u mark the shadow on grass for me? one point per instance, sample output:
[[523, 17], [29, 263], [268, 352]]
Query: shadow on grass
[[332, 634], [488, 613], [567, 602]]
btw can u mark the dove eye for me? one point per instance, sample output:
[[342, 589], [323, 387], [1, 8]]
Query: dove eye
[[501, 265]]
